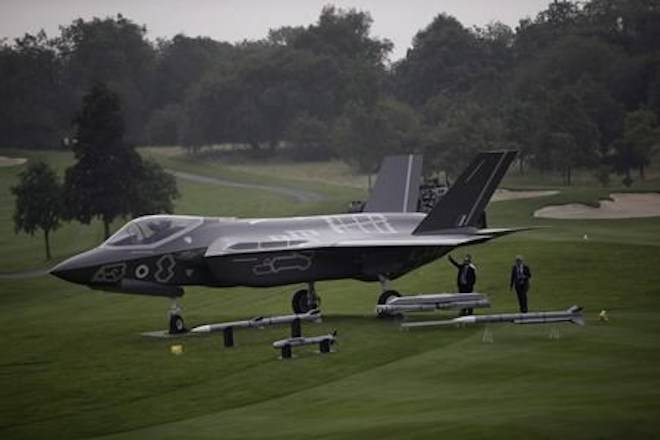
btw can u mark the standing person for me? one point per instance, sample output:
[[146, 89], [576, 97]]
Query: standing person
[[466, 277], [520, 276]]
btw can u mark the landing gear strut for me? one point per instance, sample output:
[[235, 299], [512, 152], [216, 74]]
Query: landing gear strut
[[305, 300], [385, 297], [176, 321]]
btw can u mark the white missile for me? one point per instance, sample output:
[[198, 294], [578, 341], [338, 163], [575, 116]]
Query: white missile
[[573, 314], [259, 321], [440, 301], [302, 340]]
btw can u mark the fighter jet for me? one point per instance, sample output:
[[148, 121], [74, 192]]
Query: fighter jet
[[159, 254]]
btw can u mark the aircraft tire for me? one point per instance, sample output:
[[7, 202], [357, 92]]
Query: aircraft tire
[[176, 325], [299, 302], [383, 299]]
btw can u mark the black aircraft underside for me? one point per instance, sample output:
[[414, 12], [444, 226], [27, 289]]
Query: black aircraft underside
[[293, 267]]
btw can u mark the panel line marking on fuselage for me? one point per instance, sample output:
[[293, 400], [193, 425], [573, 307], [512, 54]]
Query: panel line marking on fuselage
[[370, 224], [360, 225], [376, 226], [244, 260], [306, 235], [474, 172], [407, 188], [334, 224], [483, 190], [383, 220]]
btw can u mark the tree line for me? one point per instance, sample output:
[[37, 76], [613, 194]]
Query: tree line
[[577, 86], [109, 179]]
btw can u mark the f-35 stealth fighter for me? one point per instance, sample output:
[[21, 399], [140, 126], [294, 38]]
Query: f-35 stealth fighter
[[157, 255]]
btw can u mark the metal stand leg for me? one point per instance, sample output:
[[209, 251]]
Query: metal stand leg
[[286, 352], [296, 330], [554, 332], [228, 336], [324, 346], [487, 336]]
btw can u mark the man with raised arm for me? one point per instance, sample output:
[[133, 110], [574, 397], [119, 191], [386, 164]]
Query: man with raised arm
[[466, 277]]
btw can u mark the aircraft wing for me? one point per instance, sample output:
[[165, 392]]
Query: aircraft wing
[[221, 248], [412, 240], [499, 232]]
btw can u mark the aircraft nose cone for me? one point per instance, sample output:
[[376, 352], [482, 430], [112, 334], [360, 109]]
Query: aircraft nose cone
[[70, 270]]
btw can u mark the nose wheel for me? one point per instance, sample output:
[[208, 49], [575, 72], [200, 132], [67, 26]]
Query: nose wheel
[[177, 325], [305, 300]]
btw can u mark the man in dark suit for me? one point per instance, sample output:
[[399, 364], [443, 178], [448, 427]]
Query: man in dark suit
[[466, 277], [520, 276]]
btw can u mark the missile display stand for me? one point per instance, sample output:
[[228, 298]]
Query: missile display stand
[[286, 345], [487, 335]]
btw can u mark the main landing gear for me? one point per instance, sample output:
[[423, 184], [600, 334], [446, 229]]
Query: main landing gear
[[176, 320], [385, 297], [305, 300]]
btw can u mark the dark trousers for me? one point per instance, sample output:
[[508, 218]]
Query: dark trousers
[[521, 292], [465, 288]]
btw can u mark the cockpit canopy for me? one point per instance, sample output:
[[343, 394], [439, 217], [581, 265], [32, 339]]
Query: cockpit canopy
[[153, 230]]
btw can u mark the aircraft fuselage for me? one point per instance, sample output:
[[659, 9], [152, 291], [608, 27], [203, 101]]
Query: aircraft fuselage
[[224, 252]]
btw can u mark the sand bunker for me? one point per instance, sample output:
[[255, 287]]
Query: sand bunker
[[505, 194], [621, 206], [11, 161]]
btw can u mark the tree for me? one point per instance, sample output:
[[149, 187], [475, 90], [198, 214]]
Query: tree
[[113, 51], [155, 192], [445, 58], [110, 179], [463, 130], [310, 136], [38, 201], [641, 138], [568, 137], [31, 93], [363, 135]]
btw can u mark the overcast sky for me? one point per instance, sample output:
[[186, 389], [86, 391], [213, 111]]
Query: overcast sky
[[235, 20]]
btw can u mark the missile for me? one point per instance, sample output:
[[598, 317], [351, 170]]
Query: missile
[[441, 301], [573, 314], [259, 321]]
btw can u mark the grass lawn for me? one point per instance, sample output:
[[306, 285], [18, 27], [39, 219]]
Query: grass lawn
[[73, 364]]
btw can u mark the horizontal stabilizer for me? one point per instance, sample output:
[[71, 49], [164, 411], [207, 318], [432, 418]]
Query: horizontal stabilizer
[[397, 185], [499, 232]]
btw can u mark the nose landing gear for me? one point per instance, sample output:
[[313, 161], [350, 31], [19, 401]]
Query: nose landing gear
[[177, 325]]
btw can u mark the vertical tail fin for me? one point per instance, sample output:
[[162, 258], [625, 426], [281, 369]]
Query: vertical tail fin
[[397, 185], [466, 200]]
